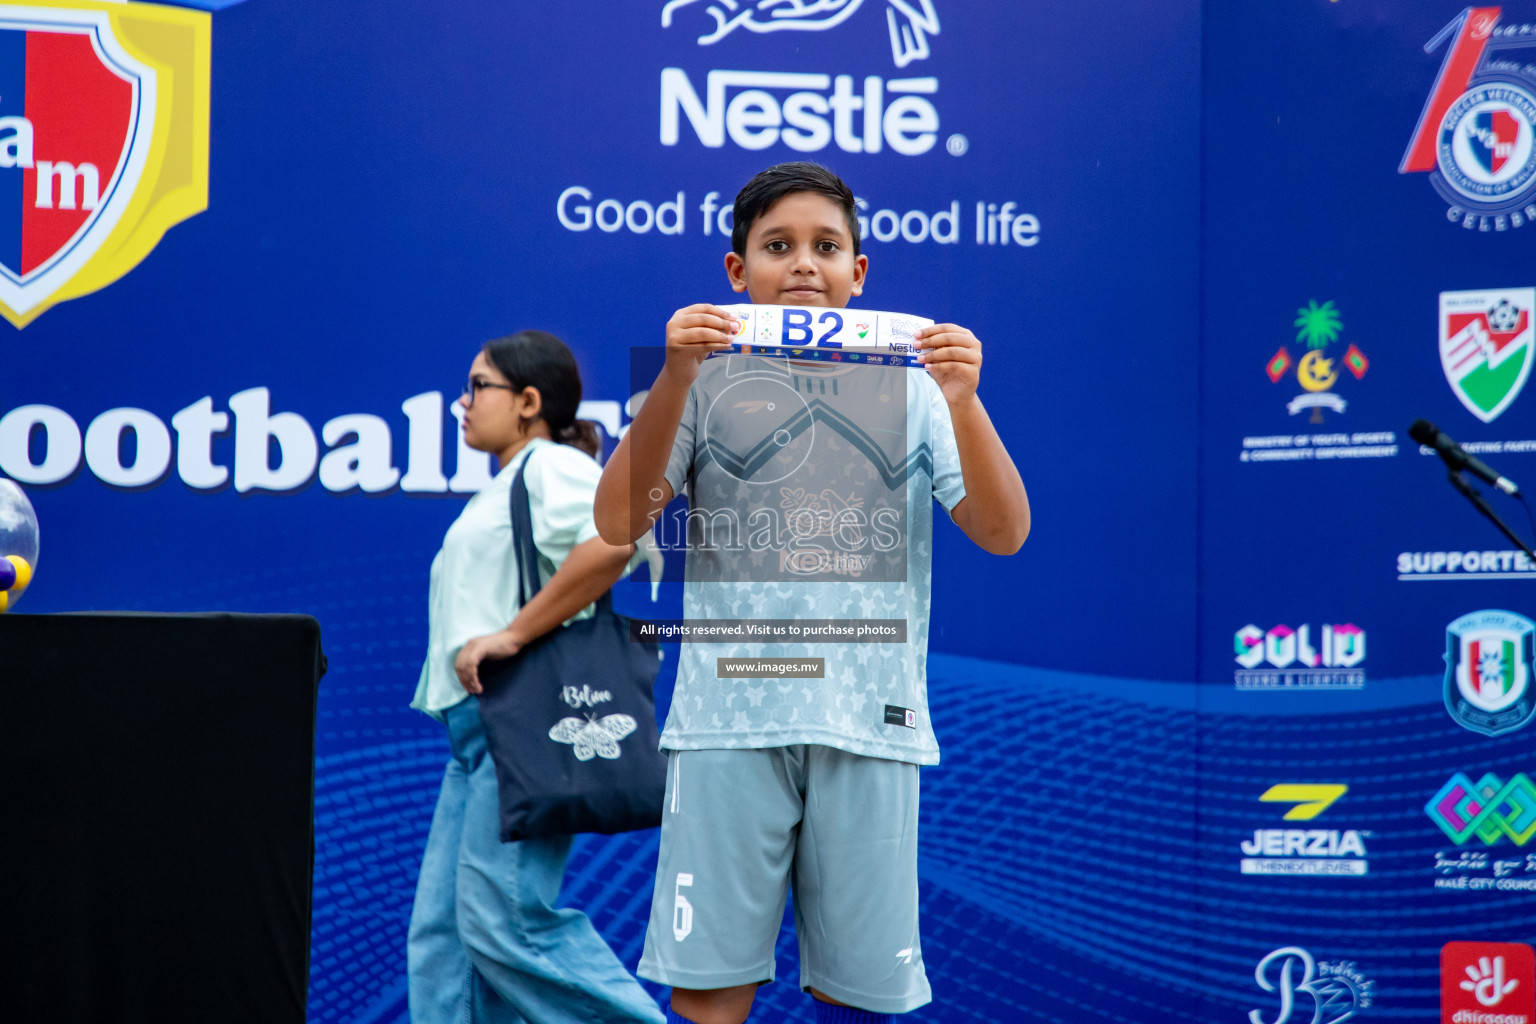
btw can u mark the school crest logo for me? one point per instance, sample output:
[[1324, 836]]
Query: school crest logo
[[1488, 671], [1476, 137], [103, 142], [1485, 346]]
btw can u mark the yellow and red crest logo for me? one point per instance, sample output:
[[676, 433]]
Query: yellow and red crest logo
[[103, 142]]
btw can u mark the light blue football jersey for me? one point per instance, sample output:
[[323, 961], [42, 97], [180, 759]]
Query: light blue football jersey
[[811, 489]]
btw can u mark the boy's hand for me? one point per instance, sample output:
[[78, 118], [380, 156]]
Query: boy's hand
[[693, 333], [952, 357]]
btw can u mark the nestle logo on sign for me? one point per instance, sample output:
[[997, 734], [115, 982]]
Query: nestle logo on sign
[[821, 111]]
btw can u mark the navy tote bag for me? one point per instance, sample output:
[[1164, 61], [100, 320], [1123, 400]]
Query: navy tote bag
[[570, 720]]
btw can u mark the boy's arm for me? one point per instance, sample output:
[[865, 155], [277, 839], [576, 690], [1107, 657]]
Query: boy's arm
[[634, 488], [995, 510]]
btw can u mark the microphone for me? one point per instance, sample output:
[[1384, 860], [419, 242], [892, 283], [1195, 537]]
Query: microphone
[[1456, 457]]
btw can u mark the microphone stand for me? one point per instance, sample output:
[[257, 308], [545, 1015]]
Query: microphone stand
[[1475, 496]]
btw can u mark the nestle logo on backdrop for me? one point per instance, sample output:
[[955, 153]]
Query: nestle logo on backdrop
[[910, 24], [1283, 658], [807, 111]]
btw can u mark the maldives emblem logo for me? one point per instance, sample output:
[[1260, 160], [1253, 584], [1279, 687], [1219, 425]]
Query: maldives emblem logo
[[103, 142], [1317, 327], [1488, 671], [1485, 346], [1475, 135]]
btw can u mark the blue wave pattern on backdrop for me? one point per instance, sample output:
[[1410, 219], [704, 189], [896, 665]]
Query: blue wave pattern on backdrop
[[1063, 873], [1213, 275]]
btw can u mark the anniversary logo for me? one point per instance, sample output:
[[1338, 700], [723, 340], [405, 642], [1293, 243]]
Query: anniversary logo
[[1474, 136]]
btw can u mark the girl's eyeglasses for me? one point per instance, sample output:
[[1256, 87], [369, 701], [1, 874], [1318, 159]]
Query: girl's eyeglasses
[[474, 388]]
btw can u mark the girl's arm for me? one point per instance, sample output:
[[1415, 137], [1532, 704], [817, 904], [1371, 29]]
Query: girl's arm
[[590, 570]]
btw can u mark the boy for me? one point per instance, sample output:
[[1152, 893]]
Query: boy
[[812, 776]]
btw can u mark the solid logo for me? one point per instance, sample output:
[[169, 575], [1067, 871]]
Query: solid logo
[[1309, 992], [1489, 810], [1488, 657], [1317, 327], [1304, 851], [1474, 137], [1487, 983], [1485, 346], [103, 142], [1283, 658]]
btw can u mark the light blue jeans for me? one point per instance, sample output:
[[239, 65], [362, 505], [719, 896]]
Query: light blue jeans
[[487, 945]]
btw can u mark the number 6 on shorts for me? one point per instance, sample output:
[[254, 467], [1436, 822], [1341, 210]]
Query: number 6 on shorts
[[682, 910]]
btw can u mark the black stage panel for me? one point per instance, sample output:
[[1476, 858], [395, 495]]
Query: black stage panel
[[156, 809]]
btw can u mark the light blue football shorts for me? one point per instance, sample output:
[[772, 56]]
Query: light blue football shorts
[[739, 824]]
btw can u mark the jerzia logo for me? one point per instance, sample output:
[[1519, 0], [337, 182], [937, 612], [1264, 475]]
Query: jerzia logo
[[1304, 851], [103, 142], [1474, 137], [1488, 658], [910, 22]]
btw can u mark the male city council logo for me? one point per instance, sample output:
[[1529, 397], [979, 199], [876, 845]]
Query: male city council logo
[[1475, 135], [1317, 327], [1489, 809], [103, 142], [909, 22], [1488, 671], [1485, 346]]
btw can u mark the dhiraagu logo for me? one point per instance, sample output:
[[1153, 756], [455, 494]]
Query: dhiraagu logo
[[103, 142]]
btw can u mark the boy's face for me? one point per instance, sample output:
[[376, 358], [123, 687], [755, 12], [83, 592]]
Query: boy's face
[[799, 253]]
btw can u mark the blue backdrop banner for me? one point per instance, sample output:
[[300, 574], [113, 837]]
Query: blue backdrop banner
[[1239, 735]]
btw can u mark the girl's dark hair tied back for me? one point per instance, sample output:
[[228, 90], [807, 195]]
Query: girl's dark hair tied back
[[538, 359]]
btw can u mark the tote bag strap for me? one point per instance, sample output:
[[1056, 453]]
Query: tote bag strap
[[528, 584]]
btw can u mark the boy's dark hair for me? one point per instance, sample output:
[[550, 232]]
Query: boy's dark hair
[[768, 187], [540, 360]]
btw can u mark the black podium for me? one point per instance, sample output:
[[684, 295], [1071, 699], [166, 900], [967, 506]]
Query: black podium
[[157, 810]]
